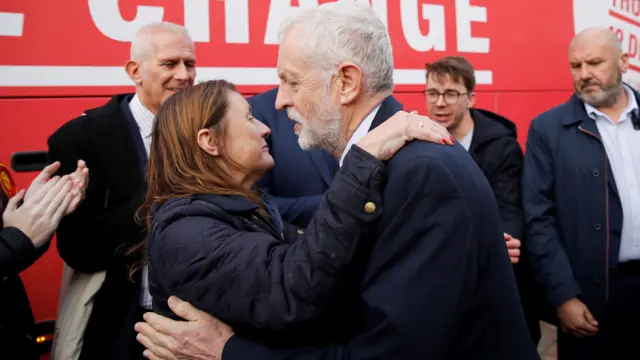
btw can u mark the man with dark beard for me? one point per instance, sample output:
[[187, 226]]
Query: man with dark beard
[[581, 178]]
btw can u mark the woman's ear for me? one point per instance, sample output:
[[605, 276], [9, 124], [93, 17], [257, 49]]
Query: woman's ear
[[207, 141]]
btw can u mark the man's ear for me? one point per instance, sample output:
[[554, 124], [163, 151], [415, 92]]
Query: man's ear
[[133, 69], [207, 141], [623, 62], [350, 80], [472, 99]]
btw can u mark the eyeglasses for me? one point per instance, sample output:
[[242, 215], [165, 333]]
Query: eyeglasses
[[451, 97]]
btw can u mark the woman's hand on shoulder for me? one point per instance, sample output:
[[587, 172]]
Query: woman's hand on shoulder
[[385, 140]]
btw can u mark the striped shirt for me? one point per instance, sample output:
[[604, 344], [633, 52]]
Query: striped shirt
[[144, 118]]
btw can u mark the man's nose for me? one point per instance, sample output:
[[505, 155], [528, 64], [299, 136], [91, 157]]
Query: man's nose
[[585, 74], [283, 98], [182, 73], [440, 101]]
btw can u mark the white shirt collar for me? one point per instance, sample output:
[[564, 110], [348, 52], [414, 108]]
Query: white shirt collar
[[360, 132], [632, 106], [142, 115]]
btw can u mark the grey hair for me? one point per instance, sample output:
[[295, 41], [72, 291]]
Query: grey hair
[[341, 31], [142, 43]]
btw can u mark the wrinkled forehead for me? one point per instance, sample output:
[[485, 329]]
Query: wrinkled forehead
[[590, 48], [166, 45], [292, 61]]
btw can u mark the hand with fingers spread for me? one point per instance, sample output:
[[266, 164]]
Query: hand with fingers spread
[[513, 245], [390, 136], [39, 216], [576, 318], [200, 337]]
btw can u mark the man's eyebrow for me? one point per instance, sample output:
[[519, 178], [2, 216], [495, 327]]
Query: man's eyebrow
[[286, 75]]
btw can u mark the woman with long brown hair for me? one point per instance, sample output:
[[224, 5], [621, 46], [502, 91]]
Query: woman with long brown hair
[[216, 242]]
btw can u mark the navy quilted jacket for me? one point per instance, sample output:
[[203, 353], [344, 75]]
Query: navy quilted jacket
[[219, 254]]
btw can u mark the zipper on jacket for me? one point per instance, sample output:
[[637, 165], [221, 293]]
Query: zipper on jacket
[[268, 223], [606, 207]]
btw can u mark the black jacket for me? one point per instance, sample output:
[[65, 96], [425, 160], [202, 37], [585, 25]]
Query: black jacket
[[97, 235], [17, 253], [434, 281], [259, 274], [495, 148]]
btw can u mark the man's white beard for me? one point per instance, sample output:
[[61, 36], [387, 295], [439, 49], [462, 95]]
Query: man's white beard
[[323, 132]]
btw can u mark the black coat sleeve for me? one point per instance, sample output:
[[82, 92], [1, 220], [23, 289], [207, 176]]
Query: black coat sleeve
[[416, 276], [505, 177], [88, 238], [17, 252], [254, 279]]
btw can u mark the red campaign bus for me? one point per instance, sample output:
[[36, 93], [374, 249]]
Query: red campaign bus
[[60, 57]]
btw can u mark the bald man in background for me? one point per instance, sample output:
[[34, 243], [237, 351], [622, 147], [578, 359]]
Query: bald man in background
[[581, 194], [114, 141]]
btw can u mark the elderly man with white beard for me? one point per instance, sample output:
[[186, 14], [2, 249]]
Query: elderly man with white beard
[[433, 280]]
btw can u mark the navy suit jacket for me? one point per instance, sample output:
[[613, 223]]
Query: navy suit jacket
[[299, 178], [433, 279]]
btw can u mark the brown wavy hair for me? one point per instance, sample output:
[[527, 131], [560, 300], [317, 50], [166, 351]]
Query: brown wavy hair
[[178, 167]]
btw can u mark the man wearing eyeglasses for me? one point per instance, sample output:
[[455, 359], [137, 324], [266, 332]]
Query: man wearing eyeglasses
[[492, 142]]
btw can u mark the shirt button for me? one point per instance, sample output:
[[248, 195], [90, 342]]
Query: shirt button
[[596, 173], [597, 226], [300, 231], [369, 207]]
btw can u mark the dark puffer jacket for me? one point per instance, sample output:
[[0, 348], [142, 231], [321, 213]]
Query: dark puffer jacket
[[257, 273]]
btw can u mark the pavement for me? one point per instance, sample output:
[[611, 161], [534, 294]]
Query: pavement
[[548, 345]]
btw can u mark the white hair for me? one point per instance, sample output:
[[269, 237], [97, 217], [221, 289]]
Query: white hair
[[142, 43], [341, 31]]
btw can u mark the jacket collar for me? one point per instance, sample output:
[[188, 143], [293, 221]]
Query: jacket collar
[[578, 113], [488, 127], [228, 203], [388, 107]]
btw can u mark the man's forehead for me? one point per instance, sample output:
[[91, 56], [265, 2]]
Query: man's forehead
[[290, 66], [444, 81], [591, 46], [290, 59], [588, 53], [172, 45]]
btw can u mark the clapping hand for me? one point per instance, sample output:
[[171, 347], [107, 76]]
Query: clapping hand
[[79, 179]]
